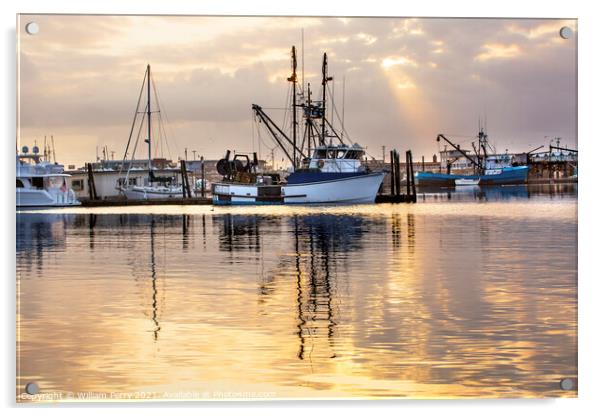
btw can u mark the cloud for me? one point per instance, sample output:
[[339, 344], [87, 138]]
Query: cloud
[[405, 79], [498, 51]]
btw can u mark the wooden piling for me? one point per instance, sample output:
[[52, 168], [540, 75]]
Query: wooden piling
[[392, 162], [185, 182], [397, 175], [412, 178], [91, 185], [408, 168], [183, 174], [203, 176]]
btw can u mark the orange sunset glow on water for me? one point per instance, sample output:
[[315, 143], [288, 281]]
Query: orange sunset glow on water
[[473, 300]]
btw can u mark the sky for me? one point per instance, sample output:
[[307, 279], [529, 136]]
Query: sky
[[405, 81]]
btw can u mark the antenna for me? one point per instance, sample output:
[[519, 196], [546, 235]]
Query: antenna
[[302, 57], [343, 118], [53, 149]]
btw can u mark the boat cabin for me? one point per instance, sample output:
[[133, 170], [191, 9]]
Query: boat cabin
[[339, 158], [499, 161]]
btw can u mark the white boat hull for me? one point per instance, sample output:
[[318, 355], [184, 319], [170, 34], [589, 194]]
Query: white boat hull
[[352, 190], [151, 192], [467, 182], [42, 198]]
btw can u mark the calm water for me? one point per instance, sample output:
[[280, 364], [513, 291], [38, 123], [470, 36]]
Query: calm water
[[464, 294]]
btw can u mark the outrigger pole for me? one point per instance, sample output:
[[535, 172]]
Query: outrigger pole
[[278, 135]]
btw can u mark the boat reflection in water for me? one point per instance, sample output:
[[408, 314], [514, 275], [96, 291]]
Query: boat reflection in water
[[499, 193], [476, 298]]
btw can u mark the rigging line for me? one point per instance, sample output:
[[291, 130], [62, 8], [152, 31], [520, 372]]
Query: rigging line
[[167, 122], [127, 175], [252, 132], [160, 123], [267, 145], [286, 109], [336, 110], [133, 123]]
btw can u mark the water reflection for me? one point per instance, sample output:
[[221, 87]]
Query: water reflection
[[424, 300], [499, 193]]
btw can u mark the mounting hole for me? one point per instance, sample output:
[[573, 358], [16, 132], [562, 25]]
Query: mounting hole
[[32, 388], [566, 32], [32, 28], [567, 384]]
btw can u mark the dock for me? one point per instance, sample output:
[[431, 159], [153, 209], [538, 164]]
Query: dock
[[395, 196], [128, 202]]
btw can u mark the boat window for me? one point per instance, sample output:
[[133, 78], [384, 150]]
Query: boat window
[[77, 184], [54, 181], [37, 182], [341, 154], [320, 154], [19, 183]]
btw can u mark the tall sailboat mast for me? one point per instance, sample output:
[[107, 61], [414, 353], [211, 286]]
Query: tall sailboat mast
[[148, 115]]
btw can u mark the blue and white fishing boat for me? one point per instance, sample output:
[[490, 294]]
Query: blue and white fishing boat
[[321, 172], [490, 169]]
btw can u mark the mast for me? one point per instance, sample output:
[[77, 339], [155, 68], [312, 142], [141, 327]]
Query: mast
[[293, 80], [148, 115], [325, 79], [343, 120], [308, 121]]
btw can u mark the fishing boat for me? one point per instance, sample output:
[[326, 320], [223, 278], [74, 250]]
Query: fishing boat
[[490, 169], [154, 187], [325, 168], [41, 183]]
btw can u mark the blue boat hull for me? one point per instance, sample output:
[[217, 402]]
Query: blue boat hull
[[505, 176]]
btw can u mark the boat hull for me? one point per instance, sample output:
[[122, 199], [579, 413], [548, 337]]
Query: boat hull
[[27, 198], [142, 193], [359, 189], [504, 176]]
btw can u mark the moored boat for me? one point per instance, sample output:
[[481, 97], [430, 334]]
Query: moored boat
[[321, 172], [41, 183], [490, 169], [155, 187]]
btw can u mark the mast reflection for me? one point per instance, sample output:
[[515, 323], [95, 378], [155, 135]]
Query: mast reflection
[[321, 244]]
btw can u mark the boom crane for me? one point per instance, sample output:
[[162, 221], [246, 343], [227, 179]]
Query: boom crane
[[477, 162], [278, 135]]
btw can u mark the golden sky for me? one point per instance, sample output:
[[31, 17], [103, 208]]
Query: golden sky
[[406, 80]]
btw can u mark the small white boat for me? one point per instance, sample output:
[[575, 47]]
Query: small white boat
[[152, 192], [467, 182], [41, 183]]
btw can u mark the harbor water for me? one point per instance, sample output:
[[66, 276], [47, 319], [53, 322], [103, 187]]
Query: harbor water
[[467, 293]]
